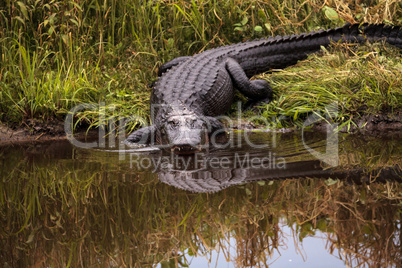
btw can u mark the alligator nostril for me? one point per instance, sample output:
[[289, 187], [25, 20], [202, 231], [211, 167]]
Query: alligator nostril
[[185, 148]]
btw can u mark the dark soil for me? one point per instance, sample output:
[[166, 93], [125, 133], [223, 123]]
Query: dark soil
[[34, 130], [378, 124]]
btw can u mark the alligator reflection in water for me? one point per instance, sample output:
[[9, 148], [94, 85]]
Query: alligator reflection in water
[[221, 169], [62, 206], [207, 179]]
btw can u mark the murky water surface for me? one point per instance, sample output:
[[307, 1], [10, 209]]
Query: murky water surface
[[267, 199]]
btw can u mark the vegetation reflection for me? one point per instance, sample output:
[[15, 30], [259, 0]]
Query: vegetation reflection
[[82, 208]]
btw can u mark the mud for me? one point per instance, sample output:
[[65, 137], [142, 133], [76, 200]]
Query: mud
[[378, 124], [34, 130]]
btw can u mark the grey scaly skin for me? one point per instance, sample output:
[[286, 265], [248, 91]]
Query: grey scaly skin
[[192, 90]]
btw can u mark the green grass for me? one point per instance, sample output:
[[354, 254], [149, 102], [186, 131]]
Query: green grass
[[354, 80], [56, 55]]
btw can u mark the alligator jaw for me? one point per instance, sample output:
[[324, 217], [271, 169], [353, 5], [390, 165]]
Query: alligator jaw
[[186, 149]]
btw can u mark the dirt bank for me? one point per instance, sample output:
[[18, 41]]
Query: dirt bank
[[378, 124], [33, 130]]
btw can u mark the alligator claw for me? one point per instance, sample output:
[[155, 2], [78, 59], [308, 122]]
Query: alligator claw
[[134, 145], [254, 105]]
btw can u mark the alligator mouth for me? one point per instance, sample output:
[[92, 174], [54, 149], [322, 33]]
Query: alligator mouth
[[185, 149]]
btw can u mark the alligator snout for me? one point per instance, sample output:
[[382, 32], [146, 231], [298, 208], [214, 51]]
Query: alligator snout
[[184, 134], [187, 142], [185, 148]]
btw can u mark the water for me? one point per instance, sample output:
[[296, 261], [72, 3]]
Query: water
[[294, 201]]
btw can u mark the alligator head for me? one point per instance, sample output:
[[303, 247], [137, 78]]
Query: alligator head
[[183, 131], [184, 134]]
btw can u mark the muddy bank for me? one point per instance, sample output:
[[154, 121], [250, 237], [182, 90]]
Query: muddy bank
[[33, 130], [372, 125], [378, 124]]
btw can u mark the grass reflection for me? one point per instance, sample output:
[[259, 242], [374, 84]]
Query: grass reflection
[[87, 210]]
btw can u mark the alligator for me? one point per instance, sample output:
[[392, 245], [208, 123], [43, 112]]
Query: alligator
[[192, 90]]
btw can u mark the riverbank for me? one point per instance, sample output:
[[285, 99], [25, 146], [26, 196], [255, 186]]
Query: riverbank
[[36, 131]]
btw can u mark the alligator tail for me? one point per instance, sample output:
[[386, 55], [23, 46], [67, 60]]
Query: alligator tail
[[279, 52], [376, 32]]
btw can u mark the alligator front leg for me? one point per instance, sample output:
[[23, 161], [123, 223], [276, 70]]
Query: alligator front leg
[[168, 65], [176, 61], [216, 133], [214, 125], [258, 90], [141, 137]]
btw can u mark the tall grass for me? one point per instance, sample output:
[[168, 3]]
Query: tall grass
[[57, 54], [356, 80]]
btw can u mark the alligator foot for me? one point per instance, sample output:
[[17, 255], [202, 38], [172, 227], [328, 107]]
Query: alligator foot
[[253, 89], [176, 61], [151, 85], [255, 105], [141, 137]]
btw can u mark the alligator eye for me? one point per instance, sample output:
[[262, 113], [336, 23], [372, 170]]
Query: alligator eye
[[191, 122], [174, 123]]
